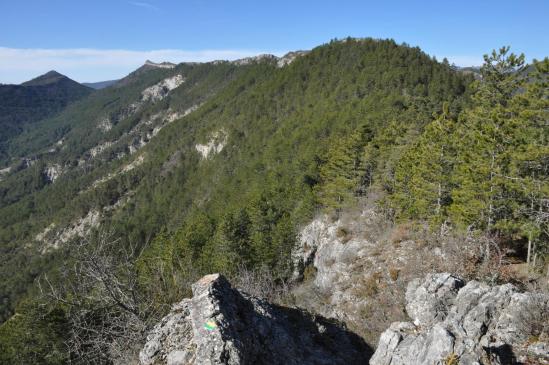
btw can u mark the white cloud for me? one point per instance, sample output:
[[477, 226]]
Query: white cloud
[[143, 5], [86, 64]]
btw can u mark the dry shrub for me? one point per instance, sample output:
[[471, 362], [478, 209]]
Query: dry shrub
[[262, 283], [343, 234], [366, 311], [379, 311], [309, 273], [475, 257], [471, 256], [109, 313], [400, 233], [329, 262], [377, 276], [394, 273], [369, 286]]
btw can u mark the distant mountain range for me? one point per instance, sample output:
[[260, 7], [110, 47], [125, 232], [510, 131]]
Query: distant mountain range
[[100, 84]]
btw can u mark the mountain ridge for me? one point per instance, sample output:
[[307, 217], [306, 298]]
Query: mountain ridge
[[223, 166], [111, 129]]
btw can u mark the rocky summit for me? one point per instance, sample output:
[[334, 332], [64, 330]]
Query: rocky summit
[[454, 322], [221, 325]]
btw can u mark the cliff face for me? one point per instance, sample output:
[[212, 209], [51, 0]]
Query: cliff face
[[454, 322], [356, 269], [220, 325]]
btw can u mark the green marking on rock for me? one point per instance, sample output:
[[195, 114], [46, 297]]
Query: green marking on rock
[[210, 325]]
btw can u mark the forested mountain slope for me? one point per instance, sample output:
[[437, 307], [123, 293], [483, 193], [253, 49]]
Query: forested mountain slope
[[67, 167], [269, 120], [203, 168], [37, 99]]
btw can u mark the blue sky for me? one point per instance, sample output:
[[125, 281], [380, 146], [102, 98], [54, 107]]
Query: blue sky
[[105, 39]]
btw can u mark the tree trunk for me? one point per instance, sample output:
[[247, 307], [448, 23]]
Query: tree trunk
[[528, 255]]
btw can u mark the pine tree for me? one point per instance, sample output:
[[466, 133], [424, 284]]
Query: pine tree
[[422, 177], [487, 135], [230, 248], [531, 163], [341, 174]]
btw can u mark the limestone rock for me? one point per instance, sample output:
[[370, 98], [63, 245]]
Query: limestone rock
[[160, 90], [468, 324], [426, 300], [220, 325]]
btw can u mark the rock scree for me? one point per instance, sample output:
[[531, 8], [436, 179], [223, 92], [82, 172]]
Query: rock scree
[[221, 325], [454, 322]]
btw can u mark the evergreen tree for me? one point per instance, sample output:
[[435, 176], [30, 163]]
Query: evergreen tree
[[487, 135], [422, 177], [342, 174], [231, 246], [530, 163]]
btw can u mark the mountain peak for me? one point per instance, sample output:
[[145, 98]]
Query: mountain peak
[[159, 65], [49, 77]]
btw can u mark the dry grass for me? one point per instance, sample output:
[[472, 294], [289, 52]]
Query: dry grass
[[451, 359]]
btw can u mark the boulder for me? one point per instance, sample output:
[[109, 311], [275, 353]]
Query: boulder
[[474, 323], [221, 325]]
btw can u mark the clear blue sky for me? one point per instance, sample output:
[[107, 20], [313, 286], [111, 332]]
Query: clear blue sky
[[103, 39]]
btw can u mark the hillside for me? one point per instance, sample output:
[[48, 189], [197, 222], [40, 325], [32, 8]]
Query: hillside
[[34, 100], [177, 171], [261, 114], [100, 84]]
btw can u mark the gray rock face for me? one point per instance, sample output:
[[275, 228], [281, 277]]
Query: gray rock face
[[427, 300], [220, 325], [467, 324]]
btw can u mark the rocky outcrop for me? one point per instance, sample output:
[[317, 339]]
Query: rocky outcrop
[[4, 172], [289, 58], [53, 172], [167, 65], [349, 270], [160, 90], [221, 325], [474, 323], [52, 238], [104, 124], [254, 59], [280, 61], [217, 142]]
